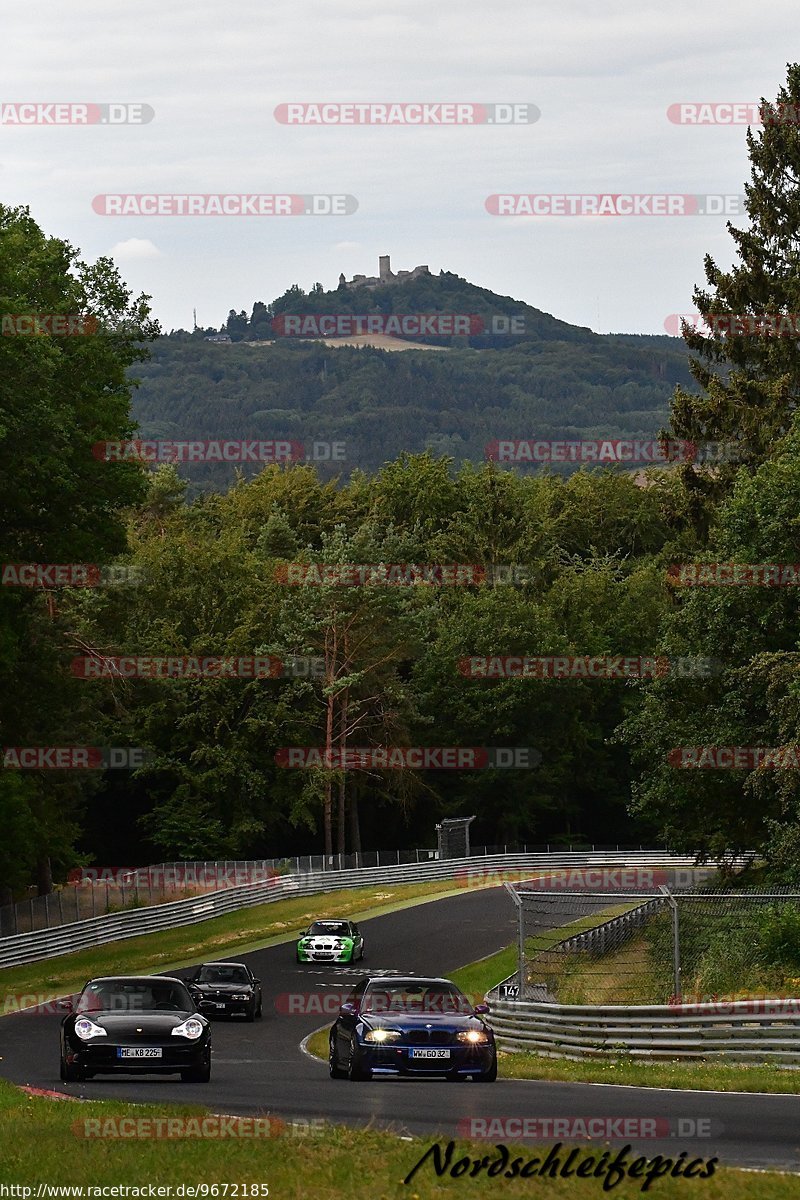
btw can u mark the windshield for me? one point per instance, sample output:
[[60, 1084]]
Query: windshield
[[223, 975], [337, 928], [411, 998], [138, 996]]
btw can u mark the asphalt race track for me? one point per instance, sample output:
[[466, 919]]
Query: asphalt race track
[[259, 1067]]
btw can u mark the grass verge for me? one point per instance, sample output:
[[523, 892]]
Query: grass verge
[[42, 1143]]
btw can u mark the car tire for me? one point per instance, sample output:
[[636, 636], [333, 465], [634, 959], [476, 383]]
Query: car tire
[[334, 1071], [197, 1074], [250, 1012], [260, 1009], [356, 1071], [70, 1073], [488, 1076]]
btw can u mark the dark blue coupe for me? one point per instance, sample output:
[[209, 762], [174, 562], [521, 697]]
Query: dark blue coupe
[[413, 1028]]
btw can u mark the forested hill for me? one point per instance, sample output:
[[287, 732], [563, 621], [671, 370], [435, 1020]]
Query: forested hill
[[551, 381]]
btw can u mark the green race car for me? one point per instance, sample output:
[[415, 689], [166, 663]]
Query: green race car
[[331, 941]]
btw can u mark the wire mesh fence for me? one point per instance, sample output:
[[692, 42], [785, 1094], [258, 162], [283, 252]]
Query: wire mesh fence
[[660, 945], [94, 892]]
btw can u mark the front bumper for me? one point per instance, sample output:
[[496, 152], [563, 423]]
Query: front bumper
[[399, 1060], [104, 1060], [339, 956], [223, 1007]]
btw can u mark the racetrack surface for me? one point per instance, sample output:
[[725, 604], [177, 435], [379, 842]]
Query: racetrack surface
[[259, 1067]]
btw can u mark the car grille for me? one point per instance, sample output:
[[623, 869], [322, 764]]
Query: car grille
[[430, 1037]]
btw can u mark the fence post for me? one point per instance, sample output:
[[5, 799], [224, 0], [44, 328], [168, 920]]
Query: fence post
[[520, 942], [676, 942]]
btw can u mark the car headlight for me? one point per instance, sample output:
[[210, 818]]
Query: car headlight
[[382, 1035], [474, 1037], [189, 1029], [241, 996], [86, 1029]]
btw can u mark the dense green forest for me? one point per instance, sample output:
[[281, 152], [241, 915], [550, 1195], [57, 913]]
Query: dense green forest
[[555, 381], [214, 573]]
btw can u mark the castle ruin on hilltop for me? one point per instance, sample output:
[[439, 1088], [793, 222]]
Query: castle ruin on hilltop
[[385, 277]]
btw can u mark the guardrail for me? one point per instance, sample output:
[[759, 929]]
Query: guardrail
[[596, 939], [754, 1031], [95, 931]]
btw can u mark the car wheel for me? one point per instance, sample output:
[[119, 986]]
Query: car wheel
[[488, 1076], [250, 1012], [356, 1071], [334, 1071], [260, 1009], [71, 1073], [197, 1074]]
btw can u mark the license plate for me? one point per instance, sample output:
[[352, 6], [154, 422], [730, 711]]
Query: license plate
[[139, 1052], [217, 1005], [425, 1053]]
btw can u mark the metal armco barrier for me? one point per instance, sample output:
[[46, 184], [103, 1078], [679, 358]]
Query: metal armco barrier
[[743, 1030], [96, 931], [597, 939]]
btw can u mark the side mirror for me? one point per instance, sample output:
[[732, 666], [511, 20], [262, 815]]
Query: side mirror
[[256, 980], [349, 1009], [64, 1004], [481, 1009]]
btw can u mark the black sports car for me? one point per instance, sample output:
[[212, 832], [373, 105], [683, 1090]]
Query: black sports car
[[412, 1027], [136, 1024], [223, 988]]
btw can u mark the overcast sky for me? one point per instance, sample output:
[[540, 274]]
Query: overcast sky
[[602, 74]]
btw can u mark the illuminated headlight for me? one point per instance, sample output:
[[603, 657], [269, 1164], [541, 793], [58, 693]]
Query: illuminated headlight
[[382, 1035], [474, 1037], [189, 1029], [86, 1029], [241, 996]]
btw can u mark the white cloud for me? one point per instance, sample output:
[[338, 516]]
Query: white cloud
[[134, 249]]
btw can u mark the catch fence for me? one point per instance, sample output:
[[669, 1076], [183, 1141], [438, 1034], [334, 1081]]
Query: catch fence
[[681, 940]]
